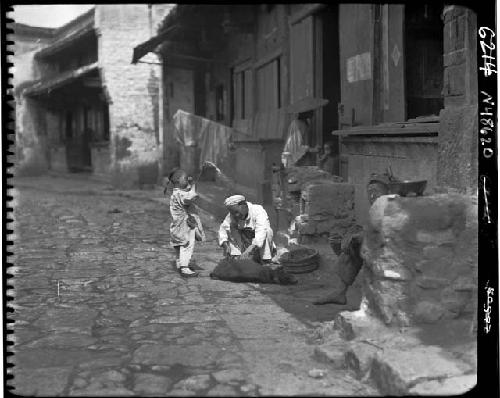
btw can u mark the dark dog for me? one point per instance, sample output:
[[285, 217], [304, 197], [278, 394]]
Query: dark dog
[[235, 270]]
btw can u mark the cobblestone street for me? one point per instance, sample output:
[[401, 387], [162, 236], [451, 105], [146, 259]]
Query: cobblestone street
[[100, 310]]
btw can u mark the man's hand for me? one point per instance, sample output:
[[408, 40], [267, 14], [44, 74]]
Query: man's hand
[[248, 252]]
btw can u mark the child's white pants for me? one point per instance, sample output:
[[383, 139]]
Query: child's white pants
[[186, 251]]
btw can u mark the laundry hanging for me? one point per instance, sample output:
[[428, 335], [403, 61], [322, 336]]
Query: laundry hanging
[[211, 137]]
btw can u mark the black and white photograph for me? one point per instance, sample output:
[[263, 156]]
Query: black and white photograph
[[250, 200]]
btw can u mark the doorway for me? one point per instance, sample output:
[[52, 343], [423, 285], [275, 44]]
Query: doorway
[[78, 153], [328, 75], [424, 59], [69, 126]]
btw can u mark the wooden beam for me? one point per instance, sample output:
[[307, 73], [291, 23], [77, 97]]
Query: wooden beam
[[150, 63], [400, 129], [268, 58], [305, 12], [191, 58]]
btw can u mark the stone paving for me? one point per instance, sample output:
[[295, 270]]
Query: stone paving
[[101, 311]]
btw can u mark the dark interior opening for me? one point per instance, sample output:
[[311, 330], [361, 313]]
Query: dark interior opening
[[423, 59], [331, 75], [69, 125]]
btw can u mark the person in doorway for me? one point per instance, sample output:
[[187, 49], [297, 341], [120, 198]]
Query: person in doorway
[[186, 227], [329, 161], [246, 232]]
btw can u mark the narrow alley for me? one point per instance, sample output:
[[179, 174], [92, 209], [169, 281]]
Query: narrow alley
[[101, 311], [346, 144]]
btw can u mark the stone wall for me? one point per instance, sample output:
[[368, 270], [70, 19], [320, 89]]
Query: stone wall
[[457, 157], [421, 259], [135, 150], [326, 210]]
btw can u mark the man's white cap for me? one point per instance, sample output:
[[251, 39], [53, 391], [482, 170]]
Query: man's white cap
[[234, 200]]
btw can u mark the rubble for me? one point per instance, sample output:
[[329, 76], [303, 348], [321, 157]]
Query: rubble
[[317, 373]]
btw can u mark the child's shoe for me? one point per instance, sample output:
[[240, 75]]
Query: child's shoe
[[186, 272], [194, 266]]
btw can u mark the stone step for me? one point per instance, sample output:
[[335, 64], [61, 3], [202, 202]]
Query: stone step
[[395, 360], [400, 371]]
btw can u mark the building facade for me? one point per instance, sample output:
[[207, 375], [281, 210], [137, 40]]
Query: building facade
[[400, 85], [80, 105]]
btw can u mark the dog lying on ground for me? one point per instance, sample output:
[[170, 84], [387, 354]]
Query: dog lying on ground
[[236, 270]]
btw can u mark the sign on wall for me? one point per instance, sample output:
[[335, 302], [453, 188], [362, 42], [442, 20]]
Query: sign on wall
[[359, 67]]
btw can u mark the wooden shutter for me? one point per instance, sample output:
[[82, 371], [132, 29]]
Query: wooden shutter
[[268, 86], [237, 96], [302, 59], [248, 93], [393, 61]]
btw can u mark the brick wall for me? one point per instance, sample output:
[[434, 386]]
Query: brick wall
[[135, 150], [457, 151]]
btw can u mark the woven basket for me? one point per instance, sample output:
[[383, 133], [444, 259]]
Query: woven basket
[[300, 260]]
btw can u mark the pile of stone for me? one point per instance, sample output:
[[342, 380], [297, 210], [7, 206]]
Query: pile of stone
[[421, 259], [413, 333]]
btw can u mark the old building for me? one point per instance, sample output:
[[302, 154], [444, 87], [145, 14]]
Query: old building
[[80, 105], [409, 95], [394, 77]]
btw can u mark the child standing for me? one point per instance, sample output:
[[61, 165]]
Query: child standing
[[186, 226]]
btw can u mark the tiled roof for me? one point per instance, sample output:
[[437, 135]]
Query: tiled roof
[[65, 42], [47, 85], [64, 37]]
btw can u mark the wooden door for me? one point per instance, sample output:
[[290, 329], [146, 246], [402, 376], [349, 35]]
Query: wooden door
[[302, 59]]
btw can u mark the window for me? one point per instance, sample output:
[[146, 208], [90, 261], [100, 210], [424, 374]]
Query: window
[[269, 86], [302, 59], [242, 99]]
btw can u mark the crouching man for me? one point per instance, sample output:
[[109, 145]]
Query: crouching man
[[246, 232]]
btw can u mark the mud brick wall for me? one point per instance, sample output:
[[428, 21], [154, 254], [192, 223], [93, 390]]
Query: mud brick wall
[[457, 149], [31, 138], [30, 130], [421, 259], [327, 209], [135, 149]]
